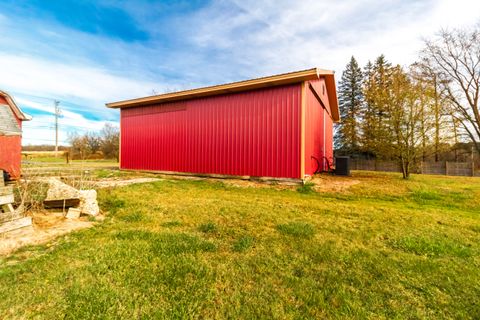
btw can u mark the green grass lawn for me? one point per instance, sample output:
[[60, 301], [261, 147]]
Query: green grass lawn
[[384, 248]]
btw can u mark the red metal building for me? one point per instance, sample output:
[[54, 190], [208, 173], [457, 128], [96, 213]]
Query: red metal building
[[278, 126], [11, 118]]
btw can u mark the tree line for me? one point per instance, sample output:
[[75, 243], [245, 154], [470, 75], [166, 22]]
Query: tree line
[[414, 113], [90, 144]]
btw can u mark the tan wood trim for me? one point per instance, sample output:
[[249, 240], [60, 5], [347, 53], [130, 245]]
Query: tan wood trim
[[332, 98], [303, 105], [286, 78], [120, 143]]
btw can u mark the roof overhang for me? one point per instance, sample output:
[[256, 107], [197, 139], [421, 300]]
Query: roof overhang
[[18, 112], [276, 80]]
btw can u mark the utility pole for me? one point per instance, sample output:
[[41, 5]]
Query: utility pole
[[58, 112]]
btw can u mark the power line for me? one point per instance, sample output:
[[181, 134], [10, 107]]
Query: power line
[[38, 121], [32, 123], [69, 105], [40, 139], [58, 113]]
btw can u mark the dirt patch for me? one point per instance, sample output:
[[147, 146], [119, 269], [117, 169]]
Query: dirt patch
[[260, 184], [46, 227], [108, 183], [241, 183], [327, 183]]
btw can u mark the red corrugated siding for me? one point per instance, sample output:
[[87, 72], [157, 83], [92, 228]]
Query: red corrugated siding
[[318, 129], [254, 133], [10, 155], [10, 150]]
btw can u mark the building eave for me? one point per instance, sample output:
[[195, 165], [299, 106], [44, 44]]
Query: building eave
[[16, 110], [252, 84]]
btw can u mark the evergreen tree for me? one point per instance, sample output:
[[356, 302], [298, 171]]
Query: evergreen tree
[[368, 130], [377, 91], [350, 97]]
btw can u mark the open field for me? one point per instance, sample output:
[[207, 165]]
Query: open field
[[48, 166], [379, 248], [61, 162]]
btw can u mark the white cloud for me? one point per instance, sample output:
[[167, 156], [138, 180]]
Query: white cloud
[[276, 36], [87, 83], [40, 130], [223, 42]]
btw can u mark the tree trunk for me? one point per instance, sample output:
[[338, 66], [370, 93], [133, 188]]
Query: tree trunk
[[437, 119], [405, 169]]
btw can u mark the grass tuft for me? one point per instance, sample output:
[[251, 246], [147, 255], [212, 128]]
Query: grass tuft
[[475, 228], [243, 244], [112, 203], [424, 197], [135, 235], [171, 224], [307, 187], [431, 246], [132, 217], [297, 229], [174, 244], [208, 227]]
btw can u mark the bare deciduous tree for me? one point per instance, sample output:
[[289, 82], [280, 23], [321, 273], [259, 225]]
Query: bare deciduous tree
[[93, 141], [110, 138], [455, 58], [79, 145]]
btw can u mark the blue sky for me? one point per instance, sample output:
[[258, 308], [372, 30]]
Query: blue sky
[[87, 53]]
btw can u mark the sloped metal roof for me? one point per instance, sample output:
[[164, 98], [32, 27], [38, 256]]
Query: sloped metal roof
[[285, 78], [8, 123]]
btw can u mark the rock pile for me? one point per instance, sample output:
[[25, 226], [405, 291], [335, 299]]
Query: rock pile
[[59, 191]]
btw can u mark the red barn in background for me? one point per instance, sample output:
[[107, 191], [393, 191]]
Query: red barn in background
[[279, 126], [11, 118]]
